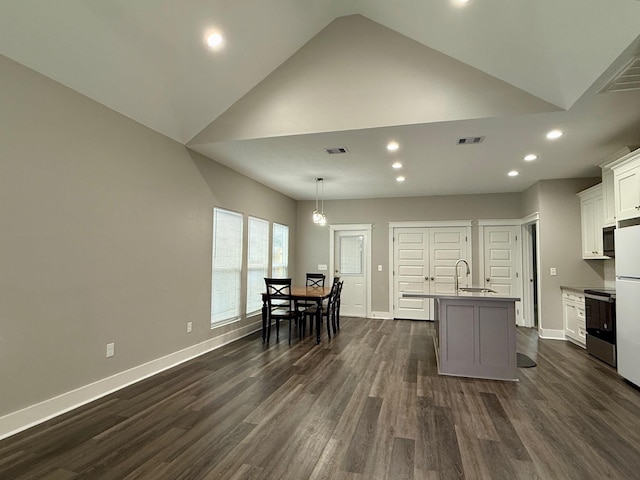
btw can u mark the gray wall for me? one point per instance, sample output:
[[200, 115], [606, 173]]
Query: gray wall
[[106, 237], [313, 241], [561, 246]]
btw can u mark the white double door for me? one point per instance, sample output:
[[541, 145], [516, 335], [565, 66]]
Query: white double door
[[423, 262]]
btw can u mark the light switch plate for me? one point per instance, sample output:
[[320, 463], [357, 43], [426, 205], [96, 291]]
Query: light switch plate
[[322, 267], [553, 271], [379, 268]]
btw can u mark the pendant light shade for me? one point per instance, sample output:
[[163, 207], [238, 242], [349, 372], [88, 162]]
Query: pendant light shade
[[318, 214]]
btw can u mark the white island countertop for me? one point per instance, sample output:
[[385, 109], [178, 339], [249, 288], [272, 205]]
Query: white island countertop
[[464, 296]]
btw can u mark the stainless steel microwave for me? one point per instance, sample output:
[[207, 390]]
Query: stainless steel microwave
[[608, 241]]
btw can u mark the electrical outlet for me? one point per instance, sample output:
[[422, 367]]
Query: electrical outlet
[[111, 349], [553, 271], [379, 268], [189, 327]]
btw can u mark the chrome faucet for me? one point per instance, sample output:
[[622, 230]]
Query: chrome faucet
[[456, 286]]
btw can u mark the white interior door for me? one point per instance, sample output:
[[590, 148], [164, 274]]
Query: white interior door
[[411, 272], [351, 266], [502, 262], [448, 244]]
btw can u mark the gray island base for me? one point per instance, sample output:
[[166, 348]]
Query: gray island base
[[475, 335]]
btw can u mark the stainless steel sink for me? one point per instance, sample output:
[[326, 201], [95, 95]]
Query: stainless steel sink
[[477, 289]]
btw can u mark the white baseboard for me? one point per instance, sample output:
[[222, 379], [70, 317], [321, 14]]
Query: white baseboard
[[551, 334], [383, 315], [28, 417]]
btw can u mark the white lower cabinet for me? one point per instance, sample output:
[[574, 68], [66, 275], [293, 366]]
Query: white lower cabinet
[[573, 315]]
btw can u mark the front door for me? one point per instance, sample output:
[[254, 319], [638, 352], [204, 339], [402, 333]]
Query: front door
[[351, 266]]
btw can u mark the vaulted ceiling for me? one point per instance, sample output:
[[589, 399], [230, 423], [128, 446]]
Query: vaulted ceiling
[[297, 76]]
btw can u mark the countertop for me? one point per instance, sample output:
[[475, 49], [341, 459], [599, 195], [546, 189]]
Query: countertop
[[463, 295], [581, 289]]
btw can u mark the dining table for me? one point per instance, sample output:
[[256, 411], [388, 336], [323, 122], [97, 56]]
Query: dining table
[[303, 293]]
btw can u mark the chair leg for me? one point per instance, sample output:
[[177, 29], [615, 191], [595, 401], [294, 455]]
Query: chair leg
[[268, 330], [328, 325], [277, 329]]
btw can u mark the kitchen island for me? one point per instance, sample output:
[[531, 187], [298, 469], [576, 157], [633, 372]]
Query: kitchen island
[[475, 334]]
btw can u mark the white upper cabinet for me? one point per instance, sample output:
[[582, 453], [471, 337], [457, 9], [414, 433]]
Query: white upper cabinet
[[592, 219], [626, 176], [608, 184]]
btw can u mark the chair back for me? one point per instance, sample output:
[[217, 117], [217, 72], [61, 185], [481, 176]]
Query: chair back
[[315, 279], [278, 292]]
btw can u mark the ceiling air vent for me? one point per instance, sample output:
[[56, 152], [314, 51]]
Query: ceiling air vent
[[336, 150], [470, 140], [626, 79]]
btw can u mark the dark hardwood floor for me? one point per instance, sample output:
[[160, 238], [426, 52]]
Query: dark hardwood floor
[[366, 405]]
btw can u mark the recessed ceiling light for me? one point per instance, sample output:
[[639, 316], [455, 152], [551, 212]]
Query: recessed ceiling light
[[393, 146], [397, 165], [553, 134], [513, 173], [531, 157], [215, 40], [400, 179], [461, 3]]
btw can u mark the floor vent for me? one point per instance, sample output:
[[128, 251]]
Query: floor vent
[[626, 79], [336, 150], [470, 140]]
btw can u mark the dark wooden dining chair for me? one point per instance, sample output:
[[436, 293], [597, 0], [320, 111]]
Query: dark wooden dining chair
[[336, 304], [280, 305], [327, 310], [312, 280]]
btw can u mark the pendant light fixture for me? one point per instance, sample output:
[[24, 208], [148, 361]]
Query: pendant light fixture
[[318, 214]]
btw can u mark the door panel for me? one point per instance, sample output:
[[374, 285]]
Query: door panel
[[448, 244], [411, 268], [501, 261]]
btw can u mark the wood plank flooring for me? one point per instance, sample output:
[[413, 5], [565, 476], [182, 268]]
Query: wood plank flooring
[[368, 404]]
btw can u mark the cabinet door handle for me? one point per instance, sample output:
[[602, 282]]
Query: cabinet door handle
[[426, 278], [487, 279], [433, 278]]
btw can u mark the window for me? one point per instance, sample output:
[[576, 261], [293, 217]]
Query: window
[[280, 260], [257, 262], [226, 266], [351, 260]]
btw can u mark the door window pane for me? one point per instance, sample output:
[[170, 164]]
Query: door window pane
[[351, 261]]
